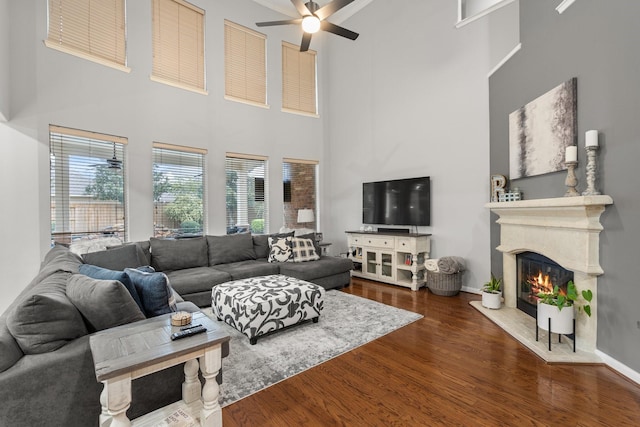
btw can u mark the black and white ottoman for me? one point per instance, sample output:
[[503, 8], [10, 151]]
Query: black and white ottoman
[[265, 304]]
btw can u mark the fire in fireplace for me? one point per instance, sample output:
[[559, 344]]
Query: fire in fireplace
[[537, 273]]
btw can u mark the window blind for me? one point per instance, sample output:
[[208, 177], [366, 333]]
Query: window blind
[[178, 44], [300, 182], [247, 194], [92, 29], [298, 80], [245, 64], [87, 173], [178, 191]]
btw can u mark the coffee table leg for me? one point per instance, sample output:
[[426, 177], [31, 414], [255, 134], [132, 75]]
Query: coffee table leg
[[210, 364], [116, 400], [191, 385]]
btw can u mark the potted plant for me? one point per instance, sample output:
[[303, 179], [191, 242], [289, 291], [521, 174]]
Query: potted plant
[[491, 293], [558, 307]]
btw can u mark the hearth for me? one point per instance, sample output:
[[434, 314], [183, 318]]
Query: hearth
[[536, 273]]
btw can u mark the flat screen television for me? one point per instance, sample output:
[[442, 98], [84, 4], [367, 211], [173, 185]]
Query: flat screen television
[[397, 202]]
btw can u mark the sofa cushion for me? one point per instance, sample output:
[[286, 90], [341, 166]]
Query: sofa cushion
[[280, 249], [118, 258], [325, 266], [45, 319], [145, 247], [167, 254], [230, 248], [103, 303], [154, 290], [303, 250], [96, 272], [246, 269], [194, 280]]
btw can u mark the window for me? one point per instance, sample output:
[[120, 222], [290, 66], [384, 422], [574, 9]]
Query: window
[[300, 191], [298, 80], [178, 44], [247, 195], [90, 29], [245, 69], [87, 185], [178, 191]]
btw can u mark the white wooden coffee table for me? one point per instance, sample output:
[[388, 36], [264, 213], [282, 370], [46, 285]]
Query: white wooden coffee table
[[127, 352]]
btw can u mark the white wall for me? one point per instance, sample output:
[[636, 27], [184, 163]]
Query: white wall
[[50, 87], [4, 59], [410, 98]]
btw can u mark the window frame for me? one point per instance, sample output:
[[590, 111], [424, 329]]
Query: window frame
[[292, 210], [239, 158]]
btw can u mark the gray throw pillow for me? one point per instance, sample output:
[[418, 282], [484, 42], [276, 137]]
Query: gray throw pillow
[[103, 303], [45, 320], [179, 254], [118, 258], [230, 248], [96, 272]]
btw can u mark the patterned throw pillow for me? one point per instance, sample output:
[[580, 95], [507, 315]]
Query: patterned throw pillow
[[155, 292], [303, 250], [280, 249]]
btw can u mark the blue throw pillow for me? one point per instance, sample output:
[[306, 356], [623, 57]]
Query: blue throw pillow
[[154, 290], [96, 272]]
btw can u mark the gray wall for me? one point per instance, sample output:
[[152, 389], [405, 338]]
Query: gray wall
[[4, 59], [595, 41]]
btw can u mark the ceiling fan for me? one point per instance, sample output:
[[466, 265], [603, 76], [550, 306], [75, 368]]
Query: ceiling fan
[[112, 163], [313, 20]]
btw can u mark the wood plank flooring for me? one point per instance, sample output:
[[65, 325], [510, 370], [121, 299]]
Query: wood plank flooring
[[453, 367]]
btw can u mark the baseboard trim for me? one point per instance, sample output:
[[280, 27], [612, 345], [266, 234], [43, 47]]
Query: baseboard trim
[[619, 367]]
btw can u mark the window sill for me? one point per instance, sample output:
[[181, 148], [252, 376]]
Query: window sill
[[178, 85], [87, 56]]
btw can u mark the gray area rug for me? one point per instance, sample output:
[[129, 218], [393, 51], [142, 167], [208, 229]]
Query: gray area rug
[[346, 322]]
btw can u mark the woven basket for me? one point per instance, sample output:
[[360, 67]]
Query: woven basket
[[443, 284]]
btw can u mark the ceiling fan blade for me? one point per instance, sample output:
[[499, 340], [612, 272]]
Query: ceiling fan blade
[[336, 29], [329, 9], [306, 41], [286, 22], [302, 9]]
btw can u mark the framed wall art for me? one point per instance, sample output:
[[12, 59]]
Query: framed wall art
[[540, 131]]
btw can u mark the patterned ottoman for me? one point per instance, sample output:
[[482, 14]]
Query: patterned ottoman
[[260, 305]]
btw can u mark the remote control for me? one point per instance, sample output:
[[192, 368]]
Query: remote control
[[188, 332], [184, 328]]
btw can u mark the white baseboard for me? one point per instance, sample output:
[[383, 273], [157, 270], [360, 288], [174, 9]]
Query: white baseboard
[[619, 367]]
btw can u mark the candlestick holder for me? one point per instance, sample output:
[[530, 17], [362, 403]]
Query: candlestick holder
[[571, 181], [591, 172]]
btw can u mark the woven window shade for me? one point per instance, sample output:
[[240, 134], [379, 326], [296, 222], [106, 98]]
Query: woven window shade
[[245, 64], [247, 193], [90, 28], [298, 80], [178, 43], [88, 198]]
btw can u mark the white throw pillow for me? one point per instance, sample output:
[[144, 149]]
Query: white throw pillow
[[280, 249], [303, 250]]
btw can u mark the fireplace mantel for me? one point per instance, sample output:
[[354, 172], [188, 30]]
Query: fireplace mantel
[[565, 229]]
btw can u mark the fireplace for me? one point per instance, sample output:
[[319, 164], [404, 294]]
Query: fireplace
[[565, 230], [536, 273]]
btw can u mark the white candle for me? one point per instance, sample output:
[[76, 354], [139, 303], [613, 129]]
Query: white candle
[[571, 154], [591, 138]]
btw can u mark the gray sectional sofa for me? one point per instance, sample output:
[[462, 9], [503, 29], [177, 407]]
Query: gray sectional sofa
[[46, 367]]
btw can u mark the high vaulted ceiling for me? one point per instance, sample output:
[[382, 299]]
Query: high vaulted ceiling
[[287, 8]]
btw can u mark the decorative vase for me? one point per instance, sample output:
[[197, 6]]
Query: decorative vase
[[492, 300], [561, 320]]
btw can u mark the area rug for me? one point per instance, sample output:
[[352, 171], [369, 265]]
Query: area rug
[[347, 322]]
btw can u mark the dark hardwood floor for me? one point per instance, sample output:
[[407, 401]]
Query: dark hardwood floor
[[453, 367]]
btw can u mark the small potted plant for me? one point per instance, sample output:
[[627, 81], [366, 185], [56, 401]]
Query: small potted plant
[[491, 293], [555, 306]]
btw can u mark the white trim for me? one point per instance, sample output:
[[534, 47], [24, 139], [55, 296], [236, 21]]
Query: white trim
[[178, 85], [87, 56], [619, 367], [246, 101], [505, 59], [300, 113], [463, 22], [564, 5]]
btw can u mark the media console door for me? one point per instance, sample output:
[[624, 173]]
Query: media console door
[[390, 258]]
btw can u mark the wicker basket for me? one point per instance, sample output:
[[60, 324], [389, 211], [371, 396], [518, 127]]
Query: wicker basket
[[443, 284]]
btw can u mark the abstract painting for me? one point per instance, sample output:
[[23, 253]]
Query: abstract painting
[[540, 131]]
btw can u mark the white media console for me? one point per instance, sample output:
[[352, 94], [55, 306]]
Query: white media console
[[396, 258]]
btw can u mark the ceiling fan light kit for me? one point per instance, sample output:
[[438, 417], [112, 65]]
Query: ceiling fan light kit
[[313, 20]]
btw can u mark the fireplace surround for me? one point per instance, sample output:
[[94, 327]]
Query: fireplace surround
[[565, 230]]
